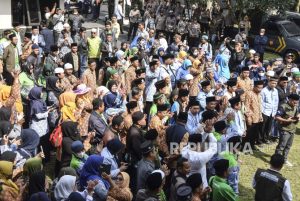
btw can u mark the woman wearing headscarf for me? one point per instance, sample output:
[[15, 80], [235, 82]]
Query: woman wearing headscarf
[[5, 124], [10, 95], [9, 156], [27, 82], [63, 171], [119, 189], [40, 196], [110, 154], [68, 112], [37, 183], [75, 196], [70, 134], [30, 141], [64, 187], [113, 99], [9, 190], [90, 172], [84, 107], [38, 113], [52, 100], [196, 71], [221, 64]]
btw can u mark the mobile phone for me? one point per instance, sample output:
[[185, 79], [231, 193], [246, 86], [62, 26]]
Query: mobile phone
[[104, 168]]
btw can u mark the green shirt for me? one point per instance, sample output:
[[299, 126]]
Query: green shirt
[[221, 191], [153, 110], [94, 47], [217, 136], [230, 157]]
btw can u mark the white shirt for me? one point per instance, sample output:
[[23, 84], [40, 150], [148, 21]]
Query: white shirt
[[193, 124], [198, 160], [119, 12]]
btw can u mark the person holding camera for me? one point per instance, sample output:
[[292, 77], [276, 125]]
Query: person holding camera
[[288, 117]]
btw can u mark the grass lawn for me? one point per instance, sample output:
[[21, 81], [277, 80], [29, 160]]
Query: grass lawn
[[250, 163]]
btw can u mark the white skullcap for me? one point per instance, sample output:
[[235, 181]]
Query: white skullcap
[[252, 51], [188, 77], [270, 73], [94, 30], [58, 70], [294, 70], [66, 25], [68, 66], [159, 171]]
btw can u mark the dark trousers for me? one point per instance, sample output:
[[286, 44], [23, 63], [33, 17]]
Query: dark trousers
[[265, 128], [285, 143], [96, 11], [253, 133], [193, 41], [132, 29], [47, 147], [169, 36]]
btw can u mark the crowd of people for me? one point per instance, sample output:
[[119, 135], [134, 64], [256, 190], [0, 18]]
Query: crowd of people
[[161, 116]]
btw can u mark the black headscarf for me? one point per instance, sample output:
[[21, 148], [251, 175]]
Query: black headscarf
[[114, 146], [5, 125], [75, 196], [30, 141], [5, 113], [51, 85], [8, 156], [70, 129], [37, 104], [40, 196], [37, 182]]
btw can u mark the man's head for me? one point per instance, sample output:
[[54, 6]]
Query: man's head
[[135, 61], [94, 33], [231, 85], [289, 58], [258, 86], [245, 72], [74, 47], [272, 82], [54, 50], [293, 100], [148, 150], [136, 93], [132, 107], [13, 39], [183, 166], [141, 26], [177, 38], [277, 161], [262, 32], [161, 86], [109, 37], [35, 30], [183, 95], [167, 58], [98, 105], [211, 103], [235, 102], [35, 49], [59, 72], [27, 37], [17, 26], [118, 123], [139, 119], [114, 18], [283, 82], [194, 107], [68, 69], [206, 87], [256, 57], [220, 127], [92, 64], [82, 31], [162, 110], [221, 168], [108, 25]]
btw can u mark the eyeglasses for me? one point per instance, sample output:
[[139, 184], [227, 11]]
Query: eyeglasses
[[118, 178]]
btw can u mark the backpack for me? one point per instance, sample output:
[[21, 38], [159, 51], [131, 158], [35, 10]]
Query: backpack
[[56, 137]]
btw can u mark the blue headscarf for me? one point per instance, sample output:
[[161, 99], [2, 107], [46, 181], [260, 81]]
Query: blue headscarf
[[30, 141], [37, 104], [90, 171], [40, 196], [223, 69]]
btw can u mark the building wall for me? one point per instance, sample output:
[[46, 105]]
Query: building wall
[[5, 14]]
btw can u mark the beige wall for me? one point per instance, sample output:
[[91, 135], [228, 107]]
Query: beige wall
[[5, 14]]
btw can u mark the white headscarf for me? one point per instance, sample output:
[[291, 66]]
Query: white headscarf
[[64, 187]]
